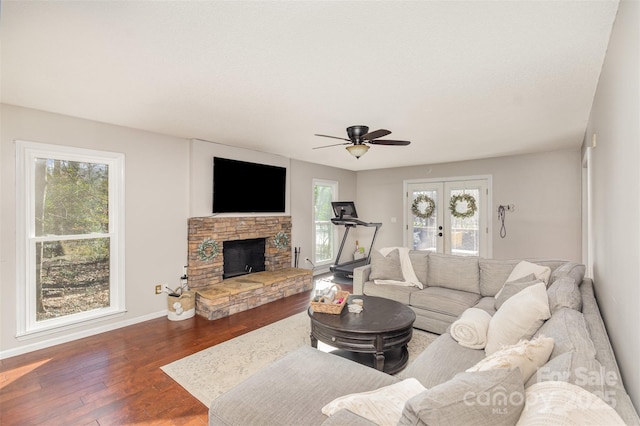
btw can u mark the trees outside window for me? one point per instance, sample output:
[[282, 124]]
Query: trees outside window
[[324, 192], [70, 247]]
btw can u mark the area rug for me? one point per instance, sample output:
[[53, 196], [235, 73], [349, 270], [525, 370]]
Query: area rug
[[212, 371]]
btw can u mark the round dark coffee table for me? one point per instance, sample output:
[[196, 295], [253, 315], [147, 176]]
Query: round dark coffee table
[[376, 337]]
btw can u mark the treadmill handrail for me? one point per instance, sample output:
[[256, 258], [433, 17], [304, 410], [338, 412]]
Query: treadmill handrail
[[352, 221]]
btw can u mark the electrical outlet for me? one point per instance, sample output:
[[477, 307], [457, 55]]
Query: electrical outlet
[[159, 289]]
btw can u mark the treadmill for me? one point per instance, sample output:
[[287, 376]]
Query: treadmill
[[346, 215]]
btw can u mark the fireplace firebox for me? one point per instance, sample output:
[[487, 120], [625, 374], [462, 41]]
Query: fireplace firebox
[[243, 257]]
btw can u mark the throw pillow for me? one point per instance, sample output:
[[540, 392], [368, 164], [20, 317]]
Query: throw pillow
[[518, 318], [525, 268], [511, 288], [386, 267], [527, 355], [562, 403], [382, 406], [564, 293], [488, 398]]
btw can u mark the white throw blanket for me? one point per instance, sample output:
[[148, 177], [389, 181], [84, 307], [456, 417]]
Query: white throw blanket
[[409, 275], [470, 330]]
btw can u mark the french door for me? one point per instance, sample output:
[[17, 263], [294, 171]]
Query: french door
[[448, 216]]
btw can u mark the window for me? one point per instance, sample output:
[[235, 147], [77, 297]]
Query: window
[[324, 192], [70, 235]]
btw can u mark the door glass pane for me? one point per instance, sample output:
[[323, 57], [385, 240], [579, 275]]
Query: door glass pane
[[425, 232], [465, 226], [71, 277], [322, 197]]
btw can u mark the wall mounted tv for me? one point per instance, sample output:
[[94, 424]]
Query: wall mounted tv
[[243, 187]]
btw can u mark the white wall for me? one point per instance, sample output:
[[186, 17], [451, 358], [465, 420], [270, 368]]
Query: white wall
[[545, 189], [156, 190], [616, 193]]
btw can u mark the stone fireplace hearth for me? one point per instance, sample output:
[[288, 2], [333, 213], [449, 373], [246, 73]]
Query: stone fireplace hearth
[[218, 296]]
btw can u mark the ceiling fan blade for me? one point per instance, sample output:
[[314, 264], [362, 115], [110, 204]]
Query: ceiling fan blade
[[335, 144], [389, 142], [333, 137], [376, 134]]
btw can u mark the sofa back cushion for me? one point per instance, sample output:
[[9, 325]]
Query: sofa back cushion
[[477, 398], [419, 261], [494, 272], [569, 331], [572, 270], [564, 293], [455, 272]]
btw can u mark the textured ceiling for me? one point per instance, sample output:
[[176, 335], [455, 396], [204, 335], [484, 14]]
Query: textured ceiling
[[461, 80]]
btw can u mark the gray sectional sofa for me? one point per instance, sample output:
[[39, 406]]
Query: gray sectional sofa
[[294, 389]]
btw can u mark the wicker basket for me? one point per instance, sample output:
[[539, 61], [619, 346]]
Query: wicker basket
[[332, 308]]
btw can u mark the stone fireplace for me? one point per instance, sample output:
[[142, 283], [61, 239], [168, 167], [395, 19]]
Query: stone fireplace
[[222, 230], [225, 254]]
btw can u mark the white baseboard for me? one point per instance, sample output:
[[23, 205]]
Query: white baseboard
[[78, 335]]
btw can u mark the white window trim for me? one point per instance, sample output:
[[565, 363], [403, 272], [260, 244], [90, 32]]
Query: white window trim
[[323, 267], [26, 152]]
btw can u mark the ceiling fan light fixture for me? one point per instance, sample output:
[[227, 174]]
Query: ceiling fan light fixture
[[358, 150]]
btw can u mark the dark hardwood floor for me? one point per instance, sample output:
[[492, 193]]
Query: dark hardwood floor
[[114, 378]]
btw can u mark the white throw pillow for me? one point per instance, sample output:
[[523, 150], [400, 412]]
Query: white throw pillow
[[528, 355], [562, 403], [518, 318], [382, 406], [525, 268]]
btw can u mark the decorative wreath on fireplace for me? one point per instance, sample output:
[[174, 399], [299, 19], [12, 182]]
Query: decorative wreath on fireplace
[[208, 249], [470, 206], [281, 240], [428, 208]]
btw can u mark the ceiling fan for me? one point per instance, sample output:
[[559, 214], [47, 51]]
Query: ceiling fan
[[358, 135]]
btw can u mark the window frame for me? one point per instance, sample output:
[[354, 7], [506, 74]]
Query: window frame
[[334, 197], [26, 240]]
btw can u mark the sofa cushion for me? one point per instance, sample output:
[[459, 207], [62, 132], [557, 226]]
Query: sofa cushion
[[446, 300], [481, 398], [576, 368], [458, 358], [524, 268], [493, 274], [400, 294], [454, 272], [564, 293], [512, 288], [518, 318], [386, 267], [420, 262], [569, 331], [562, 403], [526, 356], [572, 270], [247, 403], [383, 406]]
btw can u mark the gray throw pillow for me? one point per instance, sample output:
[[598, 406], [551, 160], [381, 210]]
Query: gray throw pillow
[[489, 398], [514, 287], [564, 293], [386, 267]]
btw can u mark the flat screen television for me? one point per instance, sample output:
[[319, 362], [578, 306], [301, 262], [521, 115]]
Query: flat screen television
[[244, 187]]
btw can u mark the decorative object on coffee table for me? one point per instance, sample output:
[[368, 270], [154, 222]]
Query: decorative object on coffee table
[[376, 337]]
